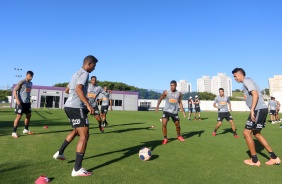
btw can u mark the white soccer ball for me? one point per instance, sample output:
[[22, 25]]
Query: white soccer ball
[[145, 154]]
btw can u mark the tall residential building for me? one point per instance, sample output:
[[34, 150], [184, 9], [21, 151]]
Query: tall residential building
[[221, 81], [204, 84], [183, 86], [275, 84]]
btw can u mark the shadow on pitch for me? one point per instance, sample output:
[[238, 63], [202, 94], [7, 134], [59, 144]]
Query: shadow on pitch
[[191, 134], [225, 131], [126, 152], [259, 149], [127, 130]]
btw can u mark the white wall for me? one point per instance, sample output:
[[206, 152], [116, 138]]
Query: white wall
[[205, 105]]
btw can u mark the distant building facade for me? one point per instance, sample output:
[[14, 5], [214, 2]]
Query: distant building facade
[[183, 86], [275, 85], [204, 84]]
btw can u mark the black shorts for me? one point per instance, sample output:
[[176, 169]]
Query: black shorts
[[96, 111], [104, 109], [168, 115], [272, 112], [24, 108], [77, 117], [224, 115], [197, 109], [261, 116]]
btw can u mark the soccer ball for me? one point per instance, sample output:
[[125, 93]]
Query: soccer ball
[[145, 154]]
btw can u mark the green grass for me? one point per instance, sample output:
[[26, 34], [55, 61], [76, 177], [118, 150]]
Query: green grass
[[113, 156]]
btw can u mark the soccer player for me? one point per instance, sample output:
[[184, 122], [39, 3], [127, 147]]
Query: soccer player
[[93, 92], [256, 119], [106, 102], [197, 108], [221, 102], [277, 111], [190, 107], [172, 99], [77, 107], [272, 106], [23, 106]]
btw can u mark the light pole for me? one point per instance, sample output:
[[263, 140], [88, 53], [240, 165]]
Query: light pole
[[18, 73]]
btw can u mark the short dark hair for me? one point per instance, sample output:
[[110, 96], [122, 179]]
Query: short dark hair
[[239, 70], [173, 82], [220, 89], [30, 73], [272, 98], [90, 59], [93, 77]]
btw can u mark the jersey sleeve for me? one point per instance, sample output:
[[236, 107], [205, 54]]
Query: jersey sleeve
[[249, 85], [215, 100], [83, 78], [228, 100]]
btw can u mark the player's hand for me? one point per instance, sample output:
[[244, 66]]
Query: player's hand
[[253, 118], [18, 103], [90, 108], [157, 109]]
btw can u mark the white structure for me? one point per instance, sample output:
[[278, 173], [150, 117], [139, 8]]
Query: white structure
[[204, 84], [183, 86], [221, 81], [275, 84]]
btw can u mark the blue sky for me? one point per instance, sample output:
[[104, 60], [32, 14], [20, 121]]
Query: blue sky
[[144, 43]]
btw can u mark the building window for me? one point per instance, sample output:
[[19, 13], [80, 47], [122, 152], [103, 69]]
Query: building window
[[118, 103]]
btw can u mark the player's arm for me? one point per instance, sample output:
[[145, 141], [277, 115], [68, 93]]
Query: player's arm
[[229, 104], [214, 103], [278, 105], [82, 97], [67, 90], [160, 100], [254, 104], [181, 105], [17, 88], [111, 104]]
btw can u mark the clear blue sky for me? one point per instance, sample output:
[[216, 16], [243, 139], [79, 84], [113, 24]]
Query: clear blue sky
[[144, 43]]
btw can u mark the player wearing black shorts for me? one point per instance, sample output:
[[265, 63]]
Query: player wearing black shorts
[[22, 95], [272, 105], [77, 107], [221, 103], [190, 107], [106, 100], [93, 92], [256, 119], [197, 108], [173, 98]]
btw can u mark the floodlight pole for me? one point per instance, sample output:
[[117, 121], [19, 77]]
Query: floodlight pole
[[18, 73]]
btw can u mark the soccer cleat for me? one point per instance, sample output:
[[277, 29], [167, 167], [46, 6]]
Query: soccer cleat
[[106, 125], [214, 134], [164, 141], [15, 135], [236, 136], [273, 122], [25, 131], [81, 172], [180, 138], [272, 161], [58, 156], [101, 129], [200, 119], [250, 162]]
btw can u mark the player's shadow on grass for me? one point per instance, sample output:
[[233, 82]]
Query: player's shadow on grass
[[126, 124], [127, 130], [126, 152], [204, 118], [259, 149], [225, 131], [191, 134]]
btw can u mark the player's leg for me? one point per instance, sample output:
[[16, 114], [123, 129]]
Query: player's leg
[[26, 124], [251, 145], [219, 122], [80, 151], [199, 115], [230, 119], [19, 113], [176, 121], [164, 127]]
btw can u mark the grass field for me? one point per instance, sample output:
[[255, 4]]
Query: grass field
[[113, 156]]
